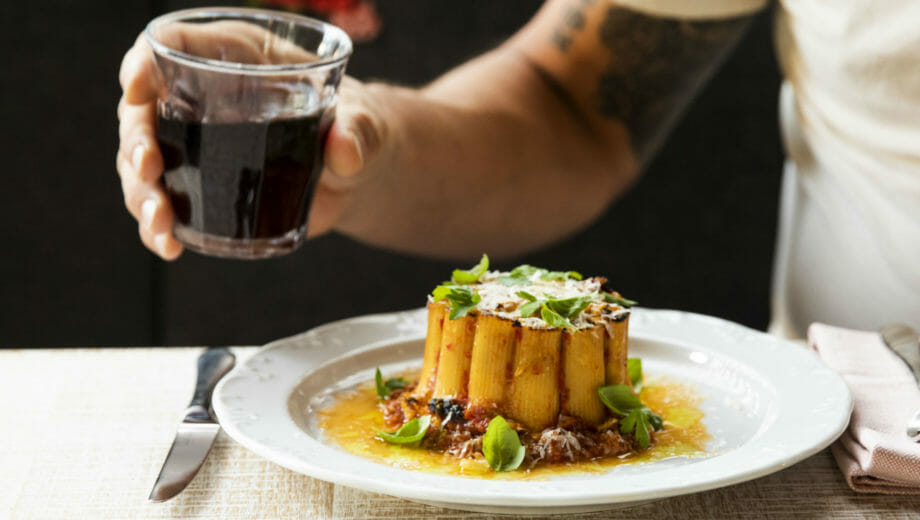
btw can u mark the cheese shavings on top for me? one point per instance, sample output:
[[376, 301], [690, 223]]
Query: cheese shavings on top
[[504, 294]]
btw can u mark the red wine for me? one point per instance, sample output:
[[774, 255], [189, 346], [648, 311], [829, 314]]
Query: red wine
[[245, 180]]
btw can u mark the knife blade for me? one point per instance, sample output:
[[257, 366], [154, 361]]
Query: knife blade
[[903, 340], [197, 431]]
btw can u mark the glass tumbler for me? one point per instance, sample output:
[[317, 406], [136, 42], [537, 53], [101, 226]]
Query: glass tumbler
[[246, 98]]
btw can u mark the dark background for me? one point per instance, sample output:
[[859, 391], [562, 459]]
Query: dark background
[[697, 233]]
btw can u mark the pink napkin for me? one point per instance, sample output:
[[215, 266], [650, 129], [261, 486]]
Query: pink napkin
[[874, 452]]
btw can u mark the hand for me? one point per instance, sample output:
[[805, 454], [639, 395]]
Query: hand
[[353, 143]]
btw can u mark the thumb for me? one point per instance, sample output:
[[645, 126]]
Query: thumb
[[354, 141]]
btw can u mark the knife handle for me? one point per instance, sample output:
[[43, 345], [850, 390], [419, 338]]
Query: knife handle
[[213, 364]]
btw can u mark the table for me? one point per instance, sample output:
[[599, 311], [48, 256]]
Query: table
[[84, 432]]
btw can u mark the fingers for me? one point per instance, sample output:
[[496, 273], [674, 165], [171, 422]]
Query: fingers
[[344, 151], [137, 77], [357, 135], [163, 244], [137, 141], [148, 204], [139, 162], [140, 165]]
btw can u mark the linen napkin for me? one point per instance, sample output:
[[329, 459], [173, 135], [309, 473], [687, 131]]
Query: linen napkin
[[874, 453]]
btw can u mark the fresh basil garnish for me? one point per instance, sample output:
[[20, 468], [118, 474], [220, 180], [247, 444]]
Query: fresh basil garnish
[[527, 296], [410, 433], [554, 311], [554, 319], [528, 309], [640, 422], [520, 275], [461, 299], [440, 292], [385, 388], [634, 368], [637, 418], [619, 300], [471, 275], [501, 446], [533, 304], [524, 270], [560, 275], [569, 307]]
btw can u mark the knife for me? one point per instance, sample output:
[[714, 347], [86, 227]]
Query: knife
[[904, 342], [196, 432]]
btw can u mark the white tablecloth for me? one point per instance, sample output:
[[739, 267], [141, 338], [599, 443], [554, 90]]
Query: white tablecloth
[[84, 431]]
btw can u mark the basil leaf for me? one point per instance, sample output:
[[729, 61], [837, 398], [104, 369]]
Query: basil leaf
[[560, 275], [385, 388], [440, 292], [525, 271], [461, 298], [410, 433], [471, 275], [462, 302], [501, 446], [520, 275], [654, 419], [619, 398], [619, 300], [553, 319], [637, 423], [637, 419], [634, 367], [628, 423], [526, 295], [529, 308], [381, 388], [395, 383], [570, 307]]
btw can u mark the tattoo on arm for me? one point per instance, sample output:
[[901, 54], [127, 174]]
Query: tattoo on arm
[[573, 22], [655, 68]]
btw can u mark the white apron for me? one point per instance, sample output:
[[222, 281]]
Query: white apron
[[848, 249]]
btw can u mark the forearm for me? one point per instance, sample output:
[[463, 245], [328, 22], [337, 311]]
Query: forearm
[[488, 158], [529, 143]]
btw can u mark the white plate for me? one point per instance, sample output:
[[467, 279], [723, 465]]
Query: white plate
[[768, 404]]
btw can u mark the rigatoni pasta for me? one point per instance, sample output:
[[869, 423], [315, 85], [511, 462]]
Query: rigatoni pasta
[[437, 313], [583, 372], [532, 346], [493, 348], [534, 397], [453, 373]]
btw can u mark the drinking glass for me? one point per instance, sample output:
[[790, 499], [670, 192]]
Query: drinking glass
[[245, 102]]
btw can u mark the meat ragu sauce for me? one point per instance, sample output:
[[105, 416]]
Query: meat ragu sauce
[[457, 430], [453, 443]]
